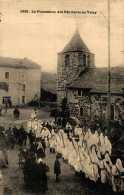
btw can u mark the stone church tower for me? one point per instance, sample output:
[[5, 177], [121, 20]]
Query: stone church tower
[[72, 60]]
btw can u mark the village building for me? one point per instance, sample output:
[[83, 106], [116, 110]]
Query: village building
[[85, 86], [20, 81]]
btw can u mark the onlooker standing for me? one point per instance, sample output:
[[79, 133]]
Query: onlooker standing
[[31, 137], [24, 137], [20, 139], [16, 113], [10, 103], [6, 106], [16, 133], [42, 177], [0, 109], [57, 169], [43, 145], [40, 152]]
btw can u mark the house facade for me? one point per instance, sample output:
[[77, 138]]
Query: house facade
[[23, 81], [86, 86]]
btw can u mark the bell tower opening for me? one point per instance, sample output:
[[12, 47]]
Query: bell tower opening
[[67, 60], [84, 59]]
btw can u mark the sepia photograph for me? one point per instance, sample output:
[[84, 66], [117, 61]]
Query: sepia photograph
[[61, 97]]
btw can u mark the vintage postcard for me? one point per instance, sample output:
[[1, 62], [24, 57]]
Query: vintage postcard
[[61, 97]]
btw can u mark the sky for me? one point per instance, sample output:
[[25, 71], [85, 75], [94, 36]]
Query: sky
[[40, 36]]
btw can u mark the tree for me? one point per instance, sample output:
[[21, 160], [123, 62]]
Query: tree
[[64, 108]]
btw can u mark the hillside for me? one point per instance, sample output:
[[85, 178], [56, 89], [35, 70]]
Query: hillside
[[49, 82]]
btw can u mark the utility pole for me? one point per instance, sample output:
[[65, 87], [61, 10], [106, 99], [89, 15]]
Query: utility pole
[[109, 78]]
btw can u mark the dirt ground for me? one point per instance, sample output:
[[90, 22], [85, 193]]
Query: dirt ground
[[13, 175], [8, 120]]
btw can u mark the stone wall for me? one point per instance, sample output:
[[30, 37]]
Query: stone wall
[[95, 106], [67, 72], [99, 106], [76, 102], [63, 73]]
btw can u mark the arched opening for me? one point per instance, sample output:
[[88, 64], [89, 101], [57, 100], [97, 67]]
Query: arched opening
[[112, 112], [84, 60], [67, 60], [88, 60], [80, 59]]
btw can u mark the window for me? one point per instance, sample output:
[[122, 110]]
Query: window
[[23, 99], [81, 111], [80, 59], [23, 87], [84, 60], [4, 99], [79, 92], [6, 75], [67, 60], [7, 88], [88, 60]]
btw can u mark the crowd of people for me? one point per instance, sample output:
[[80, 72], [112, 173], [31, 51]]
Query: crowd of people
[[12, 136], [90, 154], [90, 151]]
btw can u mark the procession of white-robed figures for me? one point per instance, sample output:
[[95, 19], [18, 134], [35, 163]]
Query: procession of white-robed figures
[[88, 152]]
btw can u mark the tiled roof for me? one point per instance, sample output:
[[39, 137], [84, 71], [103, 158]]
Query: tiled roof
[[76, 44], [74, 73], [96, 79], [18, 63]]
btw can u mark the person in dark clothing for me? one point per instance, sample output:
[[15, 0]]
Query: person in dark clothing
[[10, 103], [24, 133], [40, 152], [43, 145], [6, 106], [0, 109], [16, 113], [2, 139], [8, 137], [22, 128], [57, 169], [41, 177], [31, 137], [2, 129], [12, 140], [20, 138], [28, 171], [16, 133], [33, 147]]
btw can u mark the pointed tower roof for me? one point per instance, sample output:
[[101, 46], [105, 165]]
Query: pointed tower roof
[[76, 44]]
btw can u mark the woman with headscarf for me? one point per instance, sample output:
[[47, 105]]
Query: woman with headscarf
[[40, 151], [102, 146], [41, 176], [66, 150], [93, 154], [103, 171], [29, 125], [74, 154], [88, 134], [108, 145], [117, 183]]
